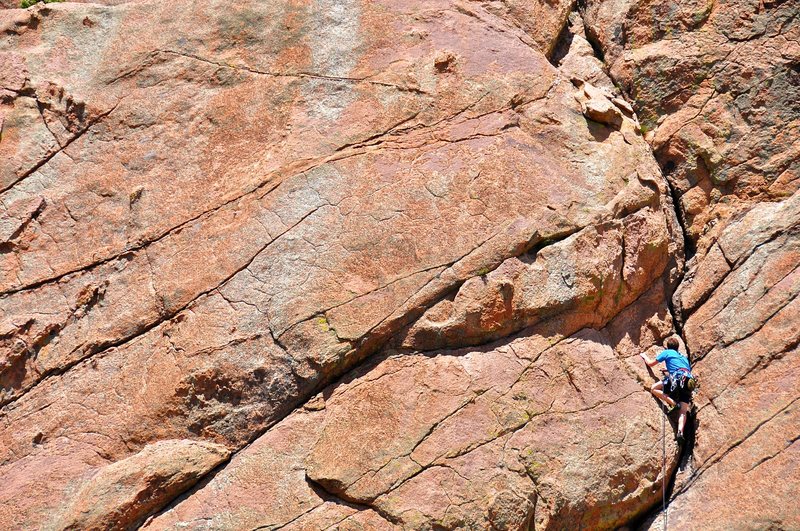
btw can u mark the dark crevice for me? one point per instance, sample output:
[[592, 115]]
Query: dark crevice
[[598, 51], [562, 46], [591, 37], [328, 496], [689, 250], [719, 457], [645, 521], [677, 318], [689, 246]]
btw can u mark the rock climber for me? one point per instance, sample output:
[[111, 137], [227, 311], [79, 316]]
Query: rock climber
[[678, 383]]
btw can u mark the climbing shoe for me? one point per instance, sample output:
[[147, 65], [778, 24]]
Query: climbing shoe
[[670, 409], [679, 439]]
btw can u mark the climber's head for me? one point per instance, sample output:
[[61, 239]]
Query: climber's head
[[672, 343]]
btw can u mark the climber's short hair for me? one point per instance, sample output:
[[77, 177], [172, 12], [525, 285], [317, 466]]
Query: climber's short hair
[[672, 343]]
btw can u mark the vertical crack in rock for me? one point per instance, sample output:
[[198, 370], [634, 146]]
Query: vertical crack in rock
[[687, 245], [715, 85]]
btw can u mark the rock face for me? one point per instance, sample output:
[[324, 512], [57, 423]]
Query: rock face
[[122, 493], [398, 260], [718, 82]]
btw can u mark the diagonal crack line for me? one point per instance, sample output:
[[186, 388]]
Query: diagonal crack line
[[776, 454], [41, 108], [362, 295], [267, 185], [536, 243], [434, 141], [767, 318], [291, 75], [327, 495], [371, 141], [61, 148], [425, 436], [733, 298], [513, 429], [104, 348], [780, 232], [441, 293], [276, 527], [503, 433], [732, 447], [761, 363]]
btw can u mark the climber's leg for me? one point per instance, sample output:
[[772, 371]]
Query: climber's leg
[[657, 390], [682, 418]]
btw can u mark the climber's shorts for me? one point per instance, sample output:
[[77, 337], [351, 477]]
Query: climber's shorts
[[676, 391]]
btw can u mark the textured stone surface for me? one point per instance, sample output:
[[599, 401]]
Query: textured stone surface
[[398, 259], [474, 438], [746, 336], [717, 82], [718, 86], [121, 494], [109, 495]]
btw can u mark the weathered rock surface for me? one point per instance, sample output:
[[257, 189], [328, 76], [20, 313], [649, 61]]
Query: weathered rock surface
[[746, 337], [110, 496], [467, 439], [122, 493], [441, 220], [718, 82], [718, 86]]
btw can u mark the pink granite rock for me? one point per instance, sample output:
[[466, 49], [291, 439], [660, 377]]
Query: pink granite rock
[[397, 259], [536, 430], [718, 83]]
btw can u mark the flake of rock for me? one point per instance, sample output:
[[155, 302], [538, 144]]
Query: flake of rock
[[122, 494], [490, 436], [719, 80], [588, 278]]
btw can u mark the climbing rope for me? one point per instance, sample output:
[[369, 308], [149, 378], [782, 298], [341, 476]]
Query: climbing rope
[[664, 469]]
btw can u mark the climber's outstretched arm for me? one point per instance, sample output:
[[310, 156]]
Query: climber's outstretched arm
[[648, 360]]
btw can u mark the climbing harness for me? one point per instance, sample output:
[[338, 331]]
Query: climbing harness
[[679, 379]]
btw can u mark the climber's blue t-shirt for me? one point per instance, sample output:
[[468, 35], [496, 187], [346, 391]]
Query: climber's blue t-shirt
[[674, 360]]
